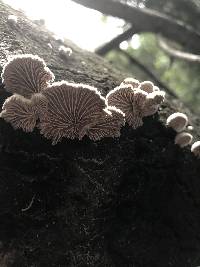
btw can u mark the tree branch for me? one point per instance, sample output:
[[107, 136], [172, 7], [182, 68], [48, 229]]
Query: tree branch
[[114, 43], [147, 20], [177, 53], [150, 74]]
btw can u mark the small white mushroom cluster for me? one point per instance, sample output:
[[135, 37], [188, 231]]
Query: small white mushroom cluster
[[71, 110], [179, 122], [65, 52], [195, 149], [136, 100]]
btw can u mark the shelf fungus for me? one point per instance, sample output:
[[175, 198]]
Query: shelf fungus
[[108, 124], [40, 104], [135, 102], [69, 110], [147, 86], [20, 112], [72, 108], [178, 121], [183, 139], [26, 75], [131, 81]]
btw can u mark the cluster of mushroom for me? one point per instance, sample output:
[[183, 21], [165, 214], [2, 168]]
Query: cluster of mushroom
[[71, 110], [136, 100], [179, 122]]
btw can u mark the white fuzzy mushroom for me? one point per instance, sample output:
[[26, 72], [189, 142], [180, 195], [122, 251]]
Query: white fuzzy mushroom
[[195, 149], [108, 125], [65, 51], [19, 112], [71, 108], [183, 139], [178, 121], [147, 86], [26, 75], [131, 81]]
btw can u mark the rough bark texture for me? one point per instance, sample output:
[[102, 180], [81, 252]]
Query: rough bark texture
[[132, 201]]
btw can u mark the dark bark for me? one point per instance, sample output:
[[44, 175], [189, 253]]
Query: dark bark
[[147, 20], [132, 201]]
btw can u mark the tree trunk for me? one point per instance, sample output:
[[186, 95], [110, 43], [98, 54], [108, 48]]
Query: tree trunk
[[129, 201]]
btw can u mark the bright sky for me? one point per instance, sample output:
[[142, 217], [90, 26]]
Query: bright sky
[[67, 19]]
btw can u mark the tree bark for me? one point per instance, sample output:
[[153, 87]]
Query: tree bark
[[130, 201]]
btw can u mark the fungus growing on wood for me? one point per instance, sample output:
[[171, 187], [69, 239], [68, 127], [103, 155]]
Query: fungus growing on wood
[[156, 88], [155, 98], [71, 109], [153, 101], [190, 128], [195, 149], [135, 103], [40, 104], [26, 75], [19, 112], [135, 118], [178, 121], [123, 98], [131, 81], [108, 125], [147, 86], [65, 51], [183, 139]]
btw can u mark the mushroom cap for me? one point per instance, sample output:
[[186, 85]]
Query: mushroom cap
[[131, 81], [195, 148], [71, 109], [40, 104], [156, 88], [130, 101], [121, 97], [156, 97], [19, 112], [65, 51], [178, 121], [183, 139], [26, 75], [153, 101], [147, 86], [108, 125]]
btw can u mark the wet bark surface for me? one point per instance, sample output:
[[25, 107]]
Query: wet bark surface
[[130, 201]]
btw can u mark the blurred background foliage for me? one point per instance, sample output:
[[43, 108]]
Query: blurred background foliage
[[180, 75]]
